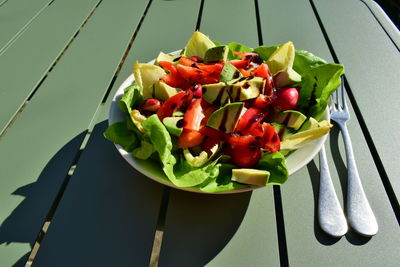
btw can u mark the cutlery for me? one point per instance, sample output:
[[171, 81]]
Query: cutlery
[[359, 213], [330, 213]]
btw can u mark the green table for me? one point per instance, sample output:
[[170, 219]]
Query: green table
[[65, 187]]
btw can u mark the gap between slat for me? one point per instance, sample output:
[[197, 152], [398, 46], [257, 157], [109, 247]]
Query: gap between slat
[[23, 29], [22, 108], [279, 217], [371, 145]]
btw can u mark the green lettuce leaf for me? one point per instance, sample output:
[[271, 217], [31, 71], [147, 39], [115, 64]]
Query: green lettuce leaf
[[144, 151], [131, 97], [317, 85], [181, 174], [275, 164], [265, 51], [223, 181], [120, 134]]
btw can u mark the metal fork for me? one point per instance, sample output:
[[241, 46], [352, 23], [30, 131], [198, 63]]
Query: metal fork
[[359, 213], [330, 213]]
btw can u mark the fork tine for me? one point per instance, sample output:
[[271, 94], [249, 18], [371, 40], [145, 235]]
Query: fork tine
[[332, 103], [337, 102], [344, 102]]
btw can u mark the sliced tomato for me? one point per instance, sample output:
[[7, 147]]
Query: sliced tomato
[[262, 71], [190, 138], [262, 102], [244, 140], [244, 156], [174, 103], [271, 139]]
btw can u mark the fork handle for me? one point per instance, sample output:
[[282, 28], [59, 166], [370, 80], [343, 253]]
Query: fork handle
[[360, 215], [330, 214]]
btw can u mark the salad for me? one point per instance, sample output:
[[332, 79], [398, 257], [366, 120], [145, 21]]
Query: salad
[[224, 117]]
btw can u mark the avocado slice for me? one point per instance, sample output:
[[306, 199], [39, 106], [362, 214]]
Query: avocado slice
[[229, 72], [226, 118], [246, 88], [145, 76], [282, 130], [163, 91], [215, 54], [165, 57], [174, 125], [301, 138], [216, 93], [282, 58], [198, 45], [291, 118], [250, 176], [286, 77]]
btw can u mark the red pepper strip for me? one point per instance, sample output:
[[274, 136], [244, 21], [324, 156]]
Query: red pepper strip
[[186, 61], [209, 143], [271, 138], [251, 117], [190, 135], [173, 103], [193, 75], [173, 78], [193, 115], [207, 131], [239, 63]]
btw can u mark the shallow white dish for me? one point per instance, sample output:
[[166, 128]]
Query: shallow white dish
[[295, 161]]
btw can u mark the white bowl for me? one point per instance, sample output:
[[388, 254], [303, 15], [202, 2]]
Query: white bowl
[[294, 162]]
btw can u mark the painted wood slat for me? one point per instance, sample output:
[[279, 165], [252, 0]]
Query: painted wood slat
[[306, 244], [372, 62], [16, 16], [223, 230], [24, 64], [145, 47], [36, 153], [108, 214]]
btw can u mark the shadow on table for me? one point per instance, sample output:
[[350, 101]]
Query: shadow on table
[[199, 226], [341, 169], [107, 215], [25, 221]]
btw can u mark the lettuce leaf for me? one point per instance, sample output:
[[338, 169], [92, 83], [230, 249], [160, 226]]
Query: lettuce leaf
[[181, 174], [223, 181], [237, 48], [317, 85], [275, 164], [120, 134], [131, 97]]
